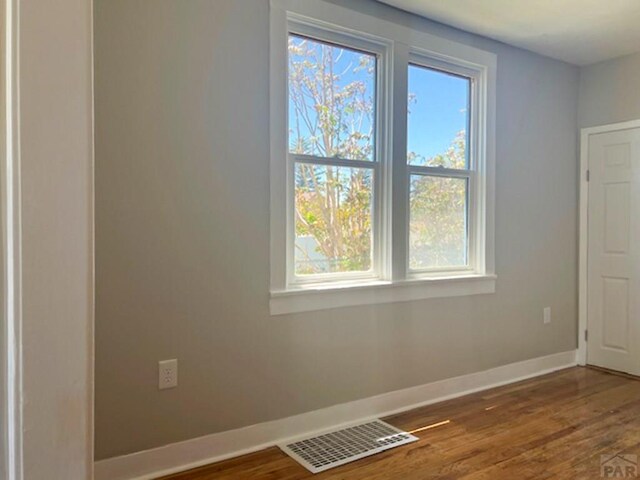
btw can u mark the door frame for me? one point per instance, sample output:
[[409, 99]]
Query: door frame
[[11, 423], [583, 293], [29, 420]]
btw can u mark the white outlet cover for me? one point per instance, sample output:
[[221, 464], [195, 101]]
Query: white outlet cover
[[167, 374], [546, 315]]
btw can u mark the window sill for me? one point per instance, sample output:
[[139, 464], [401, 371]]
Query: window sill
[[326, 296]]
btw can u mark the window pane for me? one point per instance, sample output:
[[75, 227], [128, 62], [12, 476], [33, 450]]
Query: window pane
[[333, 219], [438, 226], [331, 100], [437, 129]]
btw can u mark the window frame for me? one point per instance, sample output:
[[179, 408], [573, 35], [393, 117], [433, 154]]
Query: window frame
[[304, 27], [475, 263], [396, 48]]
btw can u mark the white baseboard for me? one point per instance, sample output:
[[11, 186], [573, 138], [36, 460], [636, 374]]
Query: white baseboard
[[181, 456]]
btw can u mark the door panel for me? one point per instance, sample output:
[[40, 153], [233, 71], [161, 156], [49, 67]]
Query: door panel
[[613, 257], [615, 313], [616, 218]]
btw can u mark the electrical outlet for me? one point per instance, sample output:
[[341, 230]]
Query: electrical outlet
[[546, 315], [167, 374]]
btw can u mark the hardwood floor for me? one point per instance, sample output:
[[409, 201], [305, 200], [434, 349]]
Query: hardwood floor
[[551, 427]]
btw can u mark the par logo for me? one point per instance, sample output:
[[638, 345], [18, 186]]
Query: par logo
[[619, 466]]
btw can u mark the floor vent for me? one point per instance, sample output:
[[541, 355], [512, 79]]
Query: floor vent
[[332, 449]]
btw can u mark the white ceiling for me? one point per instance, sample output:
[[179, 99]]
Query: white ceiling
[[576, 31]]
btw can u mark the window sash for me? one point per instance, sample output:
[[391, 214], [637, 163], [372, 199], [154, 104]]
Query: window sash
[[419, 58], [475, 259], [472, 222], [317, 35], [435, 172], [378, 164], [415, 60], [315, 278]]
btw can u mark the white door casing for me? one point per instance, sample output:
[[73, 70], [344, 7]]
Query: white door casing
[[613, 253], [46, 198]]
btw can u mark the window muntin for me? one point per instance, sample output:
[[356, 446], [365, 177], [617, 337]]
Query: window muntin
[[333, 151]]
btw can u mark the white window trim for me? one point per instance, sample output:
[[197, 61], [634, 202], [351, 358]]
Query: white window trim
[[399, 46]]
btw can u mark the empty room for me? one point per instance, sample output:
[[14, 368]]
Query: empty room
[[332, 239]]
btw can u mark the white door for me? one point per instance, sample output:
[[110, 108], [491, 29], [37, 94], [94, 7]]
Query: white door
[[614, 251]]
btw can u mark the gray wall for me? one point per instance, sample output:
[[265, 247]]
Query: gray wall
[[182, 142], [609, 91]]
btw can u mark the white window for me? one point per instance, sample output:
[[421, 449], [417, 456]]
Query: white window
[[382, 162], [334, 149]]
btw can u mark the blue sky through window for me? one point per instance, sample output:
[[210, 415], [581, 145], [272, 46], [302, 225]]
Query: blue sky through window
[[438, 106]]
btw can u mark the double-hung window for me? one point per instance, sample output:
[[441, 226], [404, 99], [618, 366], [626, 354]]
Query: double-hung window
[[440, 159], [334, 152], [381, 161]]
